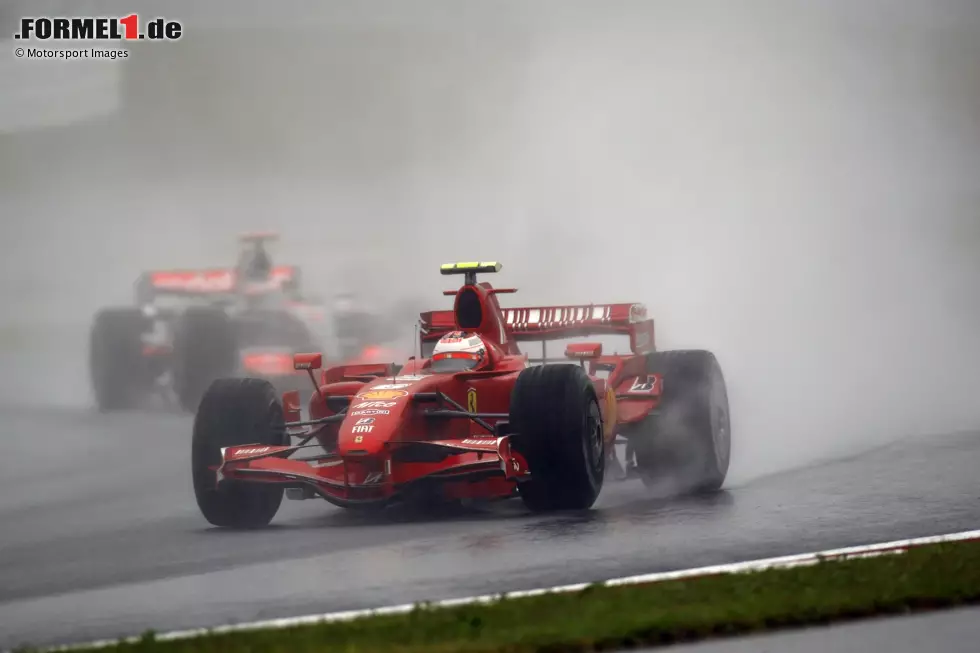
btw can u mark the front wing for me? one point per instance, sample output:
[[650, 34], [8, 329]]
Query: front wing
[[478, 467]]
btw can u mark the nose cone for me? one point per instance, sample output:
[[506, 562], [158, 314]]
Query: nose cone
[[373, 418], [377, 413], [364, 436]]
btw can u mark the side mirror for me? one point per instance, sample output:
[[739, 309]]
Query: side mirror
[[291, 406], [307, 361], [583, 350]]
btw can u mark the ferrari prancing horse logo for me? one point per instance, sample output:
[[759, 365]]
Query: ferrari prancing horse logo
[[471, 400]]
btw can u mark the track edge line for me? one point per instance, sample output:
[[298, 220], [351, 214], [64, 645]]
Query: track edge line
[[895, 547]]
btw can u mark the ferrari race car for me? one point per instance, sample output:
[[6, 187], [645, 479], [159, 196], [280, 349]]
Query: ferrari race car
[[473, 419], [189, 327]]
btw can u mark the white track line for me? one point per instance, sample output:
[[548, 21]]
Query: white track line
[[783, 562]]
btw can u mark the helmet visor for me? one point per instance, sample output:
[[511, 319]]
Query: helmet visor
[[454, 361]]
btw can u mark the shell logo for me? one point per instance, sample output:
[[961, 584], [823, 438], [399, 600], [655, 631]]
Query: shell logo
[[382, 394]]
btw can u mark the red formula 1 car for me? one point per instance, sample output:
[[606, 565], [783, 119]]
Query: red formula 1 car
[[473, 419]]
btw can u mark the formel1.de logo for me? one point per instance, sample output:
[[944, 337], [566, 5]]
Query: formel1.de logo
[[125, 28]]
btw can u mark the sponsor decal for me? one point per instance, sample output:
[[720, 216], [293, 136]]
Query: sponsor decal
[[408, 377], [374, 478], [376, 404], [638, 313], [471, 400], [209, 280], [202, 281], [270, 364], [307, 361], [358, 439], [644, 385], [371, 412], [362, 429], [365, 420], [479, 442], [382, 394], [390, 386], [250, 451]]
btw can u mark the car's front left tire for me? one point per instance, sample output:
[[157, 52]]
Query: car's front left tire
[[236, 412], [555, 415]]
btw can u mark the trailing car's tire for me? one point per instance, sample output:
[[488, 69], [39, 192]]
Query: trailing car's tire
[[205, 348], [688, 441], [555, 415], [117, 370], [235, 412]]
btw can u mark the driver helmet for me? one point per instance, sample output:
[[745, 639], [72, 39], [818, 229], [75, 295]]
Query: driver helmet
[[255, 264], [458, 351]]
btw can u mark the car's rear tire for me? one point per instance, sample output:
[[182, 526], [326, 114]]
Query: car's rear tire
[[235, 412], [687, 443], [119, 374], [555, 415], [205, 348]]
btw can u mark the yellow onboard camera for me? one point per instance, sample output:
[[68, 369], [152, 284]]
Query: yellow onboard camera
[[470, 269]]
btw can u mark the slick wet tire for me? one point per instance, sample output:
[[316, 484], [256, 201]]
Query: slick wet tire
[[687, 443], [118, 372], [205, 348], [235, 412], [555, 415]]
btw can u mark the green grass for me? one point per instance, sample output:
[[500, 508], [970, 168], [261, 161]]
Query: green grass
[[601, 618]]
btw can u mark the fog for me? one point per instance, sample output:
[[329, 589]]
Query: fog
[[792, 185]]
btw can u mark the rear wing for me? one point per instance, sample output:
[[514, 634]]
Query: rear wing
[[206, 281], [543, 323]]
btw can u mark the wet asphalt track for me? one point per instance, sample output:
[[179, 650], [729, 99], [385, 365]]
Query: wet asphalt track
[[101, 536]]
